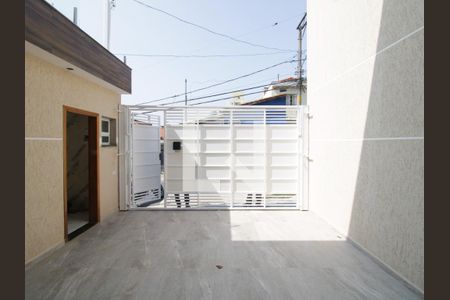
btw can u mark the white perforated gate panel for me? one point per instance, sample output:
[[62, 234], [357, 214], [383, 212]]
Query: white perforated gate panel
[[233, 158]]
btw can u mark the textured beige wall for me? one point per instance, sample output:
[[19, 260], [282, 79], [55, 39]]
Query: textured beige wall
[[365, 91], [47, 89]]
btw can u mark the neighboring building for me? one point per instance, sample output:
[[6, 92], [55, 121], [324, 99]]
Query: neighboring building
[[72, 85], [282, 92]]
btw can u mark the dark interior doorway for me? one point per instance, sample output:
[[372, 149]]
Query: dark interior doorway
[[80, 169]]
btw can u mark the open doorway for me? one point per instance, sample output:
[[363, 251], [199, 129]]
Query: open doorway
[[80, 169]]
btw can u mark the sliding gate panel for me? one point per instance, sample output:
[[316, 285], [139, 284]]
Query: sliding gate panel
[[233, 157]]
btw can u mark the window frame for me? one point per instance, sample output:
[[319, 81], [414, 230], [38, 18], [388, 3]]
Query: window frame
[[106, 134]]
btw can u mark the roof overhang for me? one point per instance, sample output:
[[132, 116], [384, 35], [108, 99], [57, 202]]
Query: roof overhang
[[58, 62], [54, 38]]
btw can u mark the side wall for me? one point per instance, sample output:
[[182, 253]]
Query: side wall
[[365, 91], [47, 89]]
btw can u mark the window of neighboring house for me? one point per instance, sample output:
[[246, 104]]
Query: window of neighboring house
[[108, 132], [283, 90]]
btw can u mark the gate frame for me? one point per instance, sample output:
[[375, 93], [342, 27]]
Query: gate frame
[[302, 122]]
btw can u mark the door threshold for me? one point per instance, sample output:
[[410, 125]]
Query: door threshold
[[79, 231]]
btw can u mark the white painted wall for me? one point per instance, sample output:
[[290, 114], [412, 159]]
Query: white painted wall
[[365, 92]]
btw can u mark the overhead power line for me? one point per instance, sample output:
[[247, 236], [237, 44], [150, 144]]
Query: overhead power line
[[219, 94], [199, 56], [217, 84], [267, 81], [243, 76], [239, 36], [209, 30], [219, 99], [224, 93], [227, 98]]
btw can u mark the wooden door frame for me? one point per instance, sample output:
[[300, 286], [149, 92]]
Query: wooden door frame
[[94, 150]]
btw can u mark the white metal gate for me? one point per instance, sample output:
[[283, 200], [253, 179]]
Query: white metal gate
[[141, 160], [244, 157]]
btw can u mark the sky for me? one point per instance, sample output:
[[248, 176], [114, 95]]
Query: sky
[[137, 29]]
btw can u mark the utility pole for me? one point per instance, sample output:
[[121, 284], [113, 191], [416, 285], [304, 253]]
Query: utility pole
[[301, 26], [185, 92]]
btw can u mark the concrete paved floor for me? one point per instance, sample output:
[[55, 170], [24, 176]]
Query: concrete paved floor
[[174, 255]]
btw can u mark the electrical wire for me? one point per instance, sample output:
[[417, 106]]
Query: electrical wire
[[209, 30], [223, 93], [217, 84], [242, 35], [225, 98], [267, 79], [219, 94], [219, 99], [200, 56]]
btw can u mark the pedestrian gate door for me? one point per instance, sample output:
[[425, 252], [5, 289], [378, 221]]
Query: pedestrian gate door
[[244, 157]]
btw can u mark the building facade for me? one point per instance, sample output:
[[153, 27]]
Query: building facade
[[67, 73], [281, 92]]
